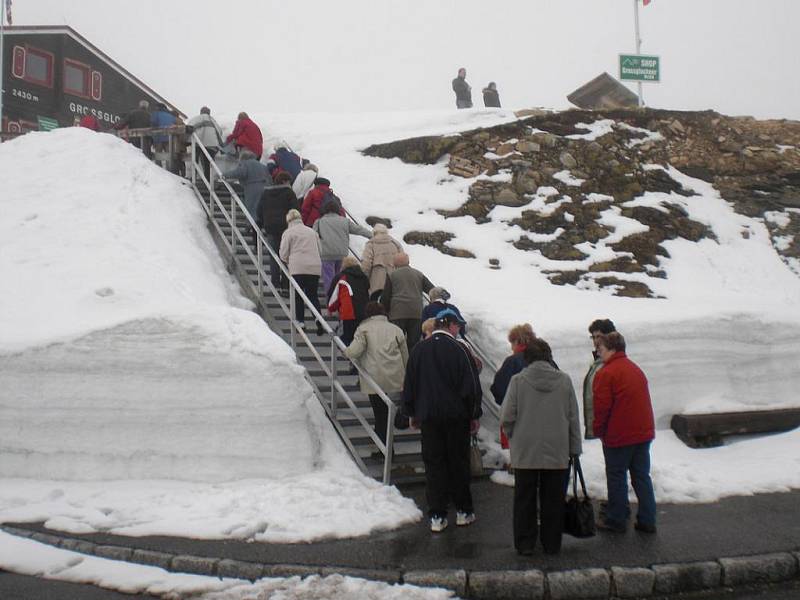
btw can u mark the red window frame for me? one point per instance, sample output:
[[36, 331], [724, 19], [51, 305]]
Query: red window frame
[[49, 57], [87, 78]]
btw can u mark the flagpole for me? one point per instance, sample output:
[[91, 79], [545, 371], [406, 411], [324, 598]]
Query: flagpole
[[2, 66], [638, 45]]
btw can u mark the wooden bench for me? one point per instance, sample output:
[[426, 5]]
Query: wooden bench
[[707, 430]]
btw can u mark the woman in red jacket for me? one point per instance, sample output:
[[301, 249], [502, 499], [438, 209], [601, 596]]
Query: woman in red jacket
[[623, 420], [246, 134]]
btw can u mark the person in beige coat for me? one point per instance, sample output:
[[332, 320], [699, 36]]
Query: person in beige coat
[[378, 259], [300, 251], [540, 418], [380, 349]]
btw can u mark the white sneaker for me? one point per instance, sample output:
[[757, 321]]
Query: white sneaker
[[438, 524], [463, 518]]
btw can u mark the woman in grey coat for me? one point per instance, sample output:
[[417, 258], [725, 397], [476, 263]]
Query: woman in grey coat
[[334, 240], [540, 418], [253, 176]]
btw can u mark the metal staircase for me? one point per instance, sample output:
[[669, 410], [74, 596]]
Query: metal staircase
[[327, 368]]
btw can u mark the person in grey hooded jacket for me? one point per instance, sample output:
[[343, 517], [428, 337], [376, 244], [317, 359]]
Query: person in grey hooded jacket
[[253, 176], [540, 418], [334, 240]]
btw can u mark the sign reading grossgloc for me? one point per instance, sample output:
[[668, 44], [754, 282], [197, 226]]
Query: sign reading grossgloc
[[638, 67]]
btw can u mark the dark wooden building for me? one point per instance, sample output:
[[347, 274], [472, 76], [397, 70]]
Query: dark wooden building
[[53, 76]]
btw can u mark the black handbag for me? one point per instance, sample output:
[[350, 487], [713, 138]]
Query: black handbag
[[578, 512]]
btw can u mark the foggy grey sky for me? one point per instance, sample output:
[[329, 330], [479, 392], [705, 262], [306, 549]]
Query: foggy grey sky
[[735, 56]]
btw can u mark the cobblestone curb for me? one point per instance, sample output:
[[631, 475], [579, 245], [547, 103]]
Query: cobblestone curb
[[616, 582]]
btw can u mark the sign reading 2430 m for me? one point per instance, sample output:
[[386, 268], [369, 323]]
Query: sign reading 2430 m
[[637, 67]]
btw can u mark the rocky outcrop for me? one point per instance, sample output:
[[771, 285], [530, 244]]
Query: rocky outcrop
[[569, 169]]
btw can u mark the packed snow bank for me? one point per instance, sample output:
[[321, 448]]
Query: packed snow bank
[[128, 354], [124, 354], [27, 557]]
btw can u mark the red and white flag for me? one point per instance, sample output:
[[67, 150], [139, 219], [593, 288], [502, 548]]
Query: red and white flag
[[646, 2]]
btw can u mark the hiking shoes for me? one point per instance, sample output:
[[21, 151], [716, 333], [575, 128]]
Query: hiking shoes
[[438, 524], [465, 518], [644, 528], [604, 525]]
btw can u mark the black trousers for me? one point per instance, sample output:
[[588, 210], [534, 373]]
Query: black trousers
[[309, 285], [381, 412], [205, 162], [413, 330], [539, 494], [445, 451], [275, 274], [349, 331]]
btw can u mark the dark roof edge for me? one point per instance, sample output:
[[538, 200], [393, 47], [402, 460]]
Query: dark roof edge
[[19, 29]]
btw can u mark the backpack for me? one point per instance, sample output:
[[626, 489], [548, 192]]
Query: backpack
[[327, 198]]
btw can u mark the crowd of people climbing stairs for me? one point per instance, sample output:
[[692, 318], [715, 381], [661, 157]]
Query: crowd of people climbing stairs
[[418, 355]]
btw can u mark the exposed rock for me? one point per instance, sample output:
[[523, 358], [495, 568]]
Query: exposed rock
[[438, 240], [755, 165], [372, 221], [568, 160]]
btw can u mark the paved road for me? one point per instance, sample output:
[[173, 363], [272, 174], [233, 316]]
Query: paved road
[[734, 526], [21, 587]]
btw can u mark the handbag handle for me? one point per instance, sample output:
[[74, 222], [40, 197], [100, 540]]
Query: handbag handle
[[577, 472]]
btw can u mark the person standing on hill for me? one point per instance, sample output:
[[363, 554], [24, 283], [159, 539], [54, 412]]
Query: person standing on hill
[[402, 297], [209, 133], [161, 118], [442, 396], [276, 202], [462, 89], [623, 420], [246, 134], [378, 258], [491, 97]]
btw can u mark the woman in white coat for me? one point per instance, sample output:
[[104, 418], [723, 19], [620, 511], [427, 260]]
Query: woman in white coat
[[380, 349]]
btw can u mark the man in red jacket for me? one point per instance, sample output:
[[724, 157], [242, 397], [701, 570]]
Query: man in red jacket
[[623, 420], [246, 134]]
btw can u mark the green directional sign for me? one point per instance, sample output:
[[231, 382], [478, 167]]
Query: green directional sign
[[637, 67], [47, 124]]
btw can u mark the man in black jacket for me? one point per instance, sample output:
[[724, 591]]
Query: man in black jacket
[[442, 395], [276, 201], [462, 89], [138, 118]]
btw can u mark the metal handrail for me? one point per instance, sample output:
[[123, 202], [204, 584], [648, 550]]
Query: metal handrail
[[295, 292]]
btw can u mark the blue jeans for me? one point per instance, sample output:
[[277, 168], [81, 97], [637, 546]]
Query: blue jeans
[[619, 461]]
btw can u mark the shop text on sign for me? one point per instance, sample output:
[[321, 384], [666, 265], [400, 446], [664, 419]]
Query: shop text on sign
[[637, 67]]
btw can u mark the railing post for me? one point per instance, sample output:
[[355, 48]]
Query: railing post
[[292, 313], [234, 226], [387, 463], [333, 377], [260, 268], [194, 158]]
